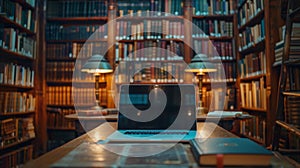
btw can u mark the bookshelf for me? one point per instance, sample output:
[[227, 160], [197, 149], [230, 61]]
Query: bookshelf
[[214, 35], [69, 25], [17, 81], [256, 44], [286, 129]]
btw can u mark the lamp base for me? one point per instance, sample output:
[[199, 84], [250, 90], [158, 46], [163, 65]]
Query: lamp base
[[97, 107]]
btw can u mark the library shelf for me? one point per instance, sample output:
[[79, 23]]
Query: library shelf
[[76, 41], [14, 55], [151, 39], [214, 38], [16, 113], [253, 21], [60, 129], [15, 87], [254, 109], [227, 82], [78, 20], [253, 139], [10, 23], [258, 46], [251, 78], [74, 83], [16, 143], [70, 105], [69, 59], [24, 4], [293, 62], [142, 18], [218, 17]]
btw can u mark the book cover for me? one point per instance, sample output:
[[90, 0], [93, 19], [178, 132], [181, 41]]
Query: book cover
[[235, 151]]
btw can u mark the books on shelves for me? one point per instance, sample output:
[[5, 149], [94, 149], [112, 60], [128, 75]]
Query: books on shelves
[[214, 28], [15, 41], [252, 35], [90, 8], [230, 151], [254, 94], [55, 31], [16, 102], [73, 95], [219, 99], [58, 120], [212, 7], [252, 65], [18, 157], [161, 50], [215, 50], [59, 71], [249, 10], [17, 75], [145, 8], [150, 71], [71, 50], [254, 127], [14, 130], [21, 15], [149, 29]]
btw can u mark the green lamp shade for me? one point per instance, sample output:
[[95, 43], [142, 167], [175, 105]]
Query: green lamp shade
[[200, 64], [97, 64]]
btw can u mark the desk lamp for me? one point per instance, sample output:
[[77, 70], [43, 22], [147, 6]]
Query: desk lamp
[[97, 65], [199, 66]]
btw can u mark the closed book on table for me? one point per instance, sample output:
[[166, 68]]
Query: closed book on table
[[230, 151]]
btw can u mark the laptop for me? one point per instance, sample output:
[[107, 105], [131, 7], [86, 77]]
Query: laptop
[[156, 113]]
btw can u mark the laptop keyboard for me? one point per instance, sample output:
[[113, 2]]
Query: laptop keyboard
[[156, 132]]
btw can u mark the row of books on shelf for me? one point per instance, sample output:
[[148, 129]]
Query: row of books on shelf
[[16, 102], [212, 98], [226, 72], [14, 130], [254, 127], [249, 10], [149, 51], [292, 107], [145, 8], [76, 9], [18, 157], [214, 28], [58, 120], [19, 14], [59, 71], [75, 32], [215, 50], [128, 71], [15, 41], [252, 35], [18, 75], [149, 29], [254, 94], [252, 65], [68, 95], [212, 7], [77, 50]]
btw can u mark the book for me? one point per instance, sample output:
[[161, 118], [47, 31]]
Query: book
[[235, 152]]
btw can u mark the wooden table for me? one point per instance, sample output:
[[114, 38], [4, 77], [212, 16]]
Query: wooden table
[[209, 130]]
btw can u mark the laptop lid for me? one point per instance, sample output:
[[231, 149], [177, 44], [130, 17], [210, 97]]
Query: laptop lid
[[157, 107]]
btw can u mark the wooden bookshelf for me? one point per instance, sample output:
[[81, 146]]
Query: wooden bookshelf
[[259, 22], [18, 36], [67, 31]]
